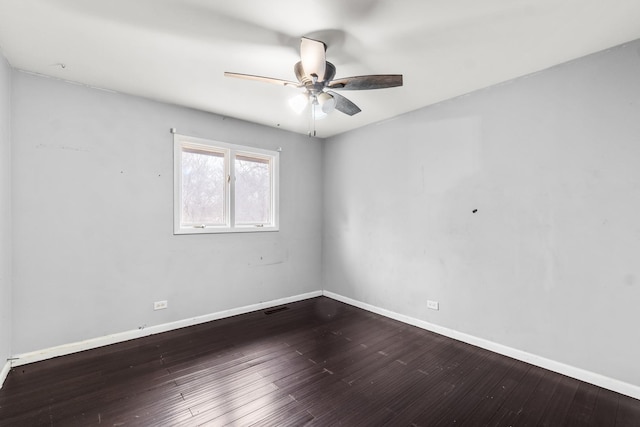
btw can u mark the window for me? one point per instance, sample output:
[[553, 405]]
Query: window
[[221, 188]]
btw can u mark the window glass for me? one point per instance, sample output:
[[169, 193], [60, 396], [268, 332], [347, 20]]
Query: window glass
[[203, 182], [253, 190]]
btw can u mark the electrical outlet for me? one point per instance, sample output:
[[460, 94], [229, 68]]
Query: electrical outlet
[[160, 305], [433, 305]]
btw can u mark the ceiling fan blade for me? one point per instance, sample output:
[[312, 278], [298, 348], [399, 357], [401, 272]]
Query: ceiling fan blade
[[262, 79], [313, 58], [378, 81], [343, 104]]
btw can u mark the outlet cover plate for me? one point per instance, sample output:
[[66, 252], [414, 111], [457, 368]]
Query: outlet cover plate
[[433, 305], [160, 305]]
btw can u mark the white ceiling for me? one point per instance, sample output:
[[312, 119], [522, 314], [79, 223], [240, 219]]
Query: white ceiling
[[177, 50]]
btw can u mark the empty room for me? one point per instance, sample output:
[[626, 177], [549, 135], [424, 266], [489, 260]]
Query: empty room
[[288, 213]]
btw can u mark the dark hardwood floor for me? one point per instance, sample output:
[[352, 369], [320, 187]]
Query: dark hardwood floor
[[318, 362]]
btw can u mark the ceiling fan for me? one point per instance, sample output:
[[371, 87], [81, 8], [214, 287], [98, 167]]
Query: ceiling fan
[[316, 77]]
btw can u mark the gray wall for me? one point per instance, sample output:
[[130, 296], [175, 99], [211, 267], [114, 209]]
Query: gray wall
[[550, 262], [93, 196], [5, 212]]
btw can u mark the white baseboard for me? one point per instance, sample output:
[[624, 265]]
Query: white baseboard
[[561, 368], [4, 372], [61, 350]]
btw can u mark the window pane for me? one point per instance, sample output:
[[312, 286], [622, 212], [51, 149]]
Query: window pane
[[203, 187], [253, 190]]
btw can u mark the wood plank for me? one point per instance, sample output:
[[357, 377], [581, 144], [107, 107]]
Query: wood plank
[[558, 408], [582, 406], [605, 410], [628, 413], [533, 408]]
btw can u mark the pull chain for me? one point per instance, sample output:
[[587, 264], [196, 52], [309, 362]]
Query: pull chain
[[312, 119]]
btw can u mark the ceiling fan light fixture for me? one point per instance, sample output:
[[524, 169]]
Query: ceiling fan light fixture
[[299, 102], [318, 114], [327, 102]]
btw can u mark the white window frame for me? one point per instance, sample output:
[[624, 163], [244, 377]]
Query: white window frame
[[229, 152]]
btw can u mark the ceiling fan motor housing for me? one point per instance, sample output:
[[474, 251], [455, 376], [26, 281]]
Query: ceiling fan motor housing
[[308, 80]]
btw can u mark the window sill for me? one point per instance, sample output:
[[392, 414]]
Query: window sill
[[222, 230]]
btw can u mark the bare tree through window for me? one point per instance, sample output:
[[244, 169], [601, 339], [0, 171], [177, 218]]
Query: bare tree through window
[[253, 190], [203, 182]]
